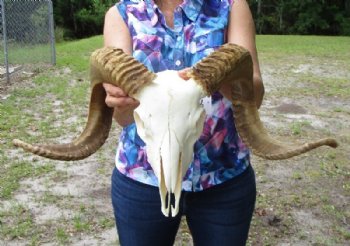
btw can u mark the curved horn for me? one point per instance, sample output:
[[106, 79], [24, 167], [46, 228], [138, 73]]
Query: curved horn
[[232, 64], [106, 65]]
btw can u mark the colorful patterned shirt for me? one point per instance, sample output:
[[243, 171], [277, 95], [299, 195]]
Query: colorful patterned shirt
[[199, 28]]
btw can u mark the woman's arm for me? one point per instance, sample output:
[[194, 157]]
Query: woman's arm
[[241, 31], [116, 34]]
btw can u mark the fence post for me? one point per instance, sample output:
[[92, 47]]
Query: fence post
[[52, 33], [4, 36]]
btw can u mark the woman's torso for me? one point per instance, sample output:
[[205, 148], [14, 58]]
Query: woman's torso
[[199, 28]]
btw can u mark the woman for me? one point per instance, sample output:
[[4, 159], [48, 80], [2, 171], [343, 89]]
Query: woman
[[219, 187]]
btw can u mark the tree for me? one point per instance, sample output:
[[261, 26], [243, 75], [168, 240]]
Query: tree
[[83, 18], [326, 17], [80, 18]]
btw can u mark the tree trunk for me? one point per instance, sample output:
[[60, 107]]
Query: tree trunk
[[258, 17], [280, 14], [72, 9], [347, 5]]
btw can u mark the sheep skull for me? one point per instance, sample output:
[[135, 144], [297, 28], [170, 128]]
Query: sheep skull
[[169, 120]]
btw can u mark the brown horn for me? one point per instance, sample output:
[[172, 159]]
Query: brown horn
[[232, 64], [106, 65]]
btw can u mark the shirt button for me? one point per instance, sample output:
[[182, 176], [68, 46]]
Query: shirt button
[[178, 63]]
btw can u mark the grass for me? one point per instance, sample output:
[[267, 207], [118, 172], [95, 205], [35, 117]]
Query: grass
[[317, 86], [297, 127], [62, 236], [80, 223], [45, 109], [76, 54], [27, 54], [16, 222], [18, 170], [315, 55], [321, 46]]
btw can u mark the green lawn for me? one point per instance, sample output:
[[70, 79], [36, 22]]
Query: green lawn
[[324, 46], [76, 54]]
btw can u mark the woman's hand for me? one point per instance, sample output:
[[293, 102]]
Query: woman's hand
[[123, 104], [183, 73]]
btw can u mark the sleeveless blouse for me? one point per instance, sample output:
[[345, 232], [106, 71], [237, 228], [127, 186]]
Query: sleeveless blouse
[[199, 28]]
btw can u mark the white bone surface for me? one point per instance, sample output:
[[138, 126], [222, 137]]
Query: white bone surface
[[169, 120]]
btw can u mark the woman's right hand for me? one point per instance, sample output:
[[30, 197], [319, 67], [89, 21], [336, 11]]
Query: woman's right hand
[[123, 104]]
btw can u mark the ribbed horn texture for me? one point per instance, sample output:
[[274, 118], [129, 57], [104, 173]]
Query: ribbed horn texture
[[106, 65], [116, 67], [232, 65]]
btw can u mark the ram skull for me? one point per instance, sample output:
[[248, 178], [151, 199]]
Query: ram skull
[[170, 119], [168, 134]]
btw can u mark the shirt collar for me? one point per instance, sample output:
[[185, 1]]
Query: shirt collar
[[190, 7]]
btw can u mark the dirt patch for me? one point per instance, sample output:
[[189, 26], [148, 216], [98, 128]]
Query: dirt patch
[[290, 108], [18, 74]]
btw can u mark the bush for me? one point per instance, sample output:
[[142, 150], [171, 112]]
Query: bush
[[81, 18], [59, 34], [344, 23]]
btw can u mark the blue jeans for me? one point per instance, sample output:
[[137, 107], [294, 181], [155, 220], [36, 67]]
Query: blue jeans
[[219, 215]]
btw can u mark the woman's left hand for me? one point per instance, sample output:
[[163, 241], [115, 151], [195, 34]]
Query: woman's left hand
[[184, 73]]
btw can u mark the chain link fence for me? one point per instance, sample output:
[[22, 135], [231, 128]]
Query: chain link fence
[[27, 36]]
